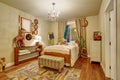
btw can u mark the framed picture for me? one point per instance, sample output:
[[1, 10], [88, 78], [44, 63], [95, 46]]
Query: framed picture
[[26, 24], [97, 35]]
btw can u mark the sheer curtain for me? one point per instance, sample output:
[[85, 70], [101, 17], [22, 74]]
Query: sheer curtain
[[61, 29], [81, 35]]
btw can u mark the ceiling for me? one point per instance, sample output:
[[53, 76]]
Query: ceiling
[[69, 9]]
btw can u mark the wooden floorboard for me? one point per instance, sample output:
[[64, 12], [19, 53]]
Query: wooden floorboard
[[89, 71]]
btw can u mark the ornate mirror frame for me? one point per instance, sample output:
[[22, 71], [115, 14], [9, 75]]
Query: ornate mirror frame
[[26, 24]]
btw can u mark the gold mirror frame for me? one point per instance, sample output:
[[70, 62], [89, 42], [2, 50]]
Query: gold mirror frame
[[26, 24]]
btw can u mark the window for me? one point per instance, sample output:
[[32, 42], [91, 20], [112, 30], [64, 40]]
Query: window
[[72, 30]]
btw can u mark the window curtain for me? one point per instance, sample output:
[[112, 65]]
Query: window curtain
[[74, 34], [61, 29], [81, 36]]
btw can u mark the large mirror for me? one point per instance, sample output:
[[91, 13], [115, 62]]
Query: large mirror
[[26, 24]]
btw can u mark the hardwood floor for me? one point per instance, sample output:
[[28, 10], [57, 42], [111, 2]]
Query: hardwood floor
[[89, 71]]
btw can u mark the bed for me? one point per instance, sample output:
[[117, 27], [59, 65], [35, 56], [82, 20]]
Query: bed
[[68, 51]]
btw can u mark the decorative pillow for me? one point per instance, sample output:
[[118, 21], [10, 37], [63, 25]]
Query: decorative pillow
[[62, 41], [73, 43]]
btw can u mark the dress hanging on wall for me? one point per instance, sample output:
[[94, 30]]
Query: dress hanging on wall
[[51, 38], [67, 33]]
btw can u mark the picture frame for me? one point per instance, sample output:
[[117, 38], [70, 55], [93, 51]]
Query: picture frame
[[97, 35], [26, 24]]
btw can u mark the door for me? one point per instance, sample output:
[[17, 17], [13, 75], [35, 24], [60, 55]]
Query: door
[[112, 44], [110, 39], [109, 34]]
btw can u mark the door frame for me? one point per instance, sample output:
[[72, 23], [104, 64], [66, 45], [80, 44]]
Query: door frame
[[111, 6]]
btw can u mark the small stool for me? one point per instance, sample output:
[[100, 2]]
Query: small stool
[[51, 61]]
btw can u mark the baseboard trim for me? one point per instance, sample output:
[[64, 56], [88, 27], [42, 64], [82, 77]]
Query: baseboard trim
[[106, 74], [103, 68], [9, 64]]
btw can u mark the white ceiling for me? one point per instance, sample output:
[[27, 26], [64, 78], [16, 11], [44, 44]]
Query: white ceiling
[[69, 9]]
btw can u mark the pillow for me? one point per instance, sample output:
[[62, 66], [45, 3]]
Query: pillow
[[63, 41], [72, 42]]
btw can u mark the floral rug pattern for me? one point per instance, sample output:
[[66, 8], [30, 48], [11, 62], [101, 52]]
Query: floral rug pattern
[[33, 72]]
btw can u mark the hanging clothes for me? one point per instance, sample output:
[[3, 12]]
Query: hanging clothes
[[67, 33], [51, 38]]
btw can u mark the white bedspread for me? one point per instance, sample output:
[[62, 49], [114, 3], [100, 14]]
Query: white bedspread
[[65, 49], [58, 48]]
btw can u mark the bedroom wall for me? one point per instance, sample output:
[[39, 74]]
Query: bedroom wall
[[105, 61], [102, 22], [93, 25], [54, 29], [9, 29], [102, 26]]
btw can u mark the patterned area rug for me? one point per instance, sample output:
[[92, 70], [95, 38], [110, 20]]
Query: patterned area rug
[[33, 72]]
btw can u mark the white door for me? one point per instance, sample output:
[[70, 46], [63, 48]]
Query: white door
[[109, 34], [110, 39], [112, 45]]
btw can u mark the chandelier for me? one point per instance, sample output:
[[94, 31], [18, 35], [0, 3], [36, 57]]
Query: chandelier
[[53, 14]]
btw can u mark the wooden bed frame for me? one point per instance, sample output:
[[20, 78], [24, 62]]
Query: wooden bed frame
[[67, 57]]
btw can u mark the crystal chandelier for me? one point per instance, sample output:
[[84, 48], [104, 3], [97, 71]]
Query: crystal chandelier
[[53, 14]]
